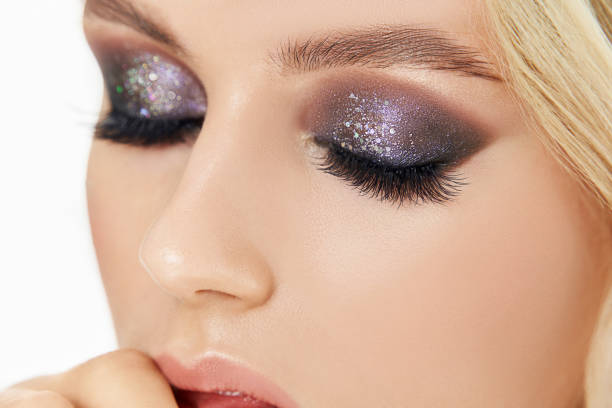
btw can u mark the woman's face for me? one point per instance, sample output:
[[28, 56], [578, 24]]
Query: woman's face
[[479, 289]]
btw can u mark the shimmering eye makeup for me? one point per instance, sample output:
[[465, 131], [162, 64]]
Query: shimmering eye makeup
[[148, 84], [388, 139], [390, 125], [155, 99]]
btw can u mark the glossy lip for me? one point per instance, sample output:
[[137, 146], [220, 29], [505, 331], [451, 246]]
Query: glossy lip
[[218, 372]]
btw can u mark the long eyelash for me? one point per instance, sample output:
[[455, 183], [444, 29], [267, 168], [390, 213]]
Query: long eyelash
[[121, 128], [431, 182]]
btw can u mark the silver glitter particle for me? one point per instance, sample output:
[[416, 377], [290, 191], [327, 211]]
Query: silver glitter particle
[[152, 86], [391, 127]]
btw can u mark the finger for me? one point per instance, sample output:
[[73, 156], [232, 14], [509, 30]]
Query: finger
[[123, 378], [42, 382], [24, 398]]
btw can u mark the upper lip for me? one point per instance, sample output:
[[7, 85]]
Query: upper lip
[[215, 371]]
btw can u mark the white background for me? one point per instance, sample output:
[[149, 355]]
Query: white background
[[53, 310]]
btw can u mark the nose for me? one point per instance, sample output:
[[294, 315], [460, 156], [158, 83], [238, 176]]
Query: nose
[[203, 246], [196, 259]]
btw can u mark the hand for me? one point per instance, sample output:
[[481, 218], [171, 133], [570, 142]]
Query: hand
[[120, 379]]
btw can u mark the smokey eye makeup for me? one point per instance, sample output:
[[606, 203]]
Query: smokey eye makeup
[[391, 128], [385, 139], [154, 99], [391, 142]]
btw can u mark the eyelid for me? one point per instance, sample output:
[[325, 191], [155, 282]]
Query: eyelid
[[389, 123], [143, 81]]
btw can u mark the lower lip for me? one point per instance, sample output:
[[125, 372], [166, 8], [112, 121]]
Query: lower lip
[[193, 399]]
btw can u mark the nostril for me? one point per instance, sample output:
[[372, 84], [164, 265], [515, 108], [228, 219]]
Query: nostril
[[216, 292]]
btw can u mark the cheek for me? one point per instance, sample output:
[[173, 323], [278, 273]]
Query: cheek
[[522, 275], [483, 297], [126, 190]]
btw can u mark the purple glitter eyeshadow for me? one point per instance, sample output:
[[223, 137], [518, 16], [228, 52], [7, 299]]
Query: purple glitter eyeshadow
[[390, 127], [148, 85]]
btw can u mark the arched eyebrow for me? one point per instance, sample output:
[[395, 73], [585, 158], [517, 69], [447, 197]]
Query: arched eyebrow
[[383, 46], [378, 46]]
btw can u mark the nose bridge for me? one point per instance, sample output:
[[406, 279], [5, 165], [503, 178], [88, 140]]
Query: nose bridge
[[203, 244]]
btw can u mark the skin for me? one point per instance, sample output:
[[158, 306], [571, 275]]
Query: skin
[[121, 378], [238, 244]]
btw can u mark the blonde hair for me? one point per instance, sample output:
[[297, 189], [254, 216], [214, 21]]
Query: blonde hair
[[556, 57]]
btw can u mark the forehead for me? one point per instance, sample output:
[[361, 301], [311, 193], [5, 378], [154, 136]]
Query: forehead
[[242, 23], [321, 13]]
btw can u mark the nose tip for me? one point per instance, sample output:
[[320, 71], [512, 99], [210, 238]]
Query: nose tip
[[205, 267]]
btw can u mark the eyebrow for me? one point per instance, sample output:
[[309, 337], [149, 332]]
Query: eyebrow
[[383, 46], [377, 46], [126, 13]]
